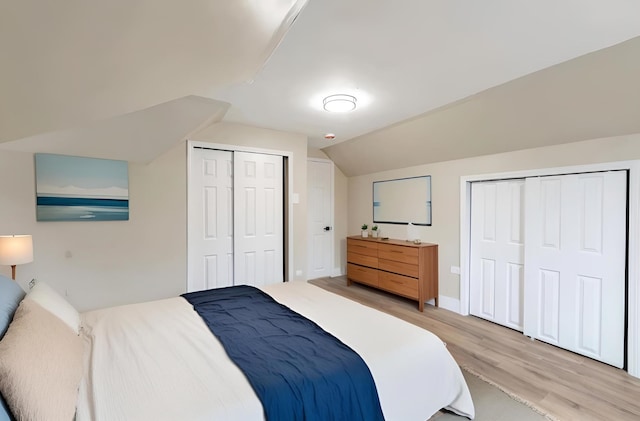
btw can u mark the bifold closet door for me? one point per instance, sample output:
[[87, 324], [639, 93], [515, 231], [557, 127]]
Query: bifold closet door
[[497, 252], [210, 251], [575, 260], [235, 219], [259, 223]]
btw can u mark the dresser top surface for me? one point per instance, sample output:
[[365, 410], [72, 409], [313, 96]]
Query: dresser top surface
[[393, 241]]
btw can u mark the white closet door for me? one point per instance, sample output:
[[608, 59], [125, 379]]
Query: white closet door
[[320, 215], [497, 252], [210, 213], [259, 226], [575, 248]]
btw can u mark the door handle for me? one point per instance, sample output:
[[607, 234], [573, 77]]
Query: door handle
[[327, 228]]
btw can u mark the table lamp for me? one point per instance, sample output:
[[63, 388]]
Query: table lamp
[[15, 250]]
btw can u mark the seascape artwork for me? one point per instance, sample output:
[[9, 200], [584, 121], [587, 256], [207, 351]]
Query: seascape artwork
[[70, 188]]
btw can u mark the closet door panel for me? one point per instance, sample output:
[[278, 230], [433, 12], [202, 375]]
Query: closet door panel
[[259, 227], [210, 249], [497, 254], [575, 259]]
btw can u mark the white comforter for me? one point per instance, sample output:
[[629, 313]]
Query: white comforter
[[159, 361]]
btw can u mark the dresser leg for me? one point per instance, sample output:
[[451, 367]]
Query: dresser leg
[[421, 305]]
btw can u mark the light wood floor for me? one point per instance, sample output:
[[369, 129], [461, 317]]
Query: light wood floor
[[565, 385]]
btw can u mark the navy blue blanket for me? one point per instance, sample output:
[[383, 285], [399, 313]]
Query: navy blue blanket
[[299, 371]]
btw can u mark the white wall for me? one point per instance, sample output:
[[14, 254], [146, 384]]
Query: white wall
[[341, 209], [445, 230], [99, 264], [104, 263]]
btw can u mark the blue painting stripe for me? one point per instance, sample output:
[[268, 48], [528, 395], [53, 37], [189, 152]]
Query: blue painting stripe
[[80, 201]]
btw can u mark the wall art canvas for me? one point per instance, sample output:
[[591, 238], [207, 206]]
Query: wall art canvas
[[70, 188]]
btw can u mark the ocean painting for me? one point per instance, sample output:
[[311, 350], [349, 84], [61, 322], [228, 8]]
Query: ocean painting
[[70, 188]]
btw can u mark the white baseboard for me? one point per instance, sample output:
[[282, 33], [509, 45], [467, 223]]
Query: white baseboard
[[448, 303], [337, 272]]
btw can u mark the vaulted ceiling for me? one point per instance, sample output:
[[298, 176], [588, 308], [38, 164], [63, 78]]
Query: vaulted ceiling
[[80, 67], [404, 59], [128, 79], [593, 96]]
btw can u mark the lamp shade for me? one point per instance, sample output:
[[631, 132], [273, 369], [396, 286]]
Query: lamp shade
[[16, 249]]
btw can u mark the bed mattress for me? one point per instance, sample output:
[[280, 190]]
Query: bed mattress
[[158, 360]]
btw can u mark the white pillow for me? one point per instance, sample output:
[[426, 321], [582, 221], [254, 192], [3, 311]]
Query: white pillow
[[50, 300], [41, 365]]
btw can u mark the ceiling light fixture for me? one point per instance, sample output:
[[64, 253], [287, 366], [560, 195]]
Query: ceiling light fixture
[[339, 103]]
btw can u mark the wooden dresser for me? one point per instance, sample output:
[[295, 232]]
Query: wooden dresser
[[396, 266]]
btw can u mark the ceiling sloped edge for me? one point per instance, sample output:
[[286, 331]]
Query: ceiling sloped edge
[[592, 96], [139, 137], [279, 34]]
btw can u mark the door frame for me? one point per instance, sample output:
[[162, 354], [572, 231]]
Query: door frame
[[331, 217], [288, 188], [633, 235]]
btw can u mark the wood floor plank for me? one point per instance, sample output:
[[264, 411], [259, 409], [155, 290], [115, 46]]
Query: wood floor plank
[[565, 385]]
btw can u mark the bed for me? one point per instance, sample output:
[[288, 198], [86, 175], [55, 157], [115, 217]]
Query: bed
[[158, 360]]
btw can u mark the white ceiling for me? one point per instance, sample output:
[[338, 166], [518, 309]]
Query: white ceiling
[[402, 59], [81, 66], [77, 75]]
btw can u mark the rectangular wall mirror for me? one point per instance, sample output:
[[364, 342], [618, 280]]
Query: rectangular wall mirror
[[402, 200]]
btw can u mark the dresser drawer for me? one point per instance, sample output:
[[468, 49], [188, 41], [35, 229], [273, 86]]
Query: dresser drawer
[[407, 269], [366, 248], [361, 259], [362, 274], [398, 253], [398, 284]]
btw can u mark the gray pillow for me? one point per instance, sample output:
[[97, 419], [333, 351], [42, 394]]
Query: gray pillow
[[4, 411], [10, 296]]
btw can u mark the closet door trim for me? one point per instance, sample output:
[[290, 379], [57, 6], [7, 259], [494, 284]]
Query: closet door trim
[[633, 264], [288, 156]]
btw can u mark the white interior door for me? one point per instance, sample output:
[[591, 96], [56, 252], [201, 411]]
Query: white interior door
[[210, 252], [575, 249], [259, 221], [320, 218], [497, 252]]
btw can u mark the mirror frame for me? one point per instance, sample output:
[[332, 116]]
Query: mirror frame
[[398, 184]]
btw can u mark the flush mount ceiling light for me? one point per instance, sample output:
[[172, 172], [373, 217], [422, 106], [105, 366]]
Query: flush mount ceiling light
[[339, 103]]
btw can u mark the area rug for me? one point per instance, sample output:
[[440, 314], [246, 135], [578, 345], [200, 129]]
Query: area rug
[[494, 404]]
